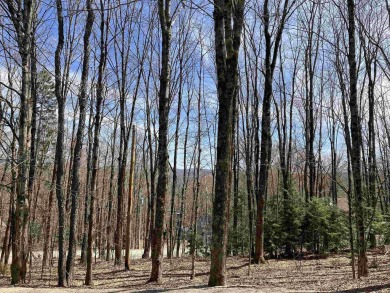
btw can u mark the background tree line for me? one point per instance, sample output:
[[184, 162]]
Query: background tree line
[[254, 128]]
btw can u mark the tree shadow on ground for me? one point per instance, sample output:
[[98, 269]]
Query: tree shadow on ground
[[163, 289], [367, 289]]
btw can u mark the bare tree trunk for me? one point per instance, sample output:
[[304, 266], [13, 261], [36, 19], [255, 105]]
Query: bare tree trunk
[[266, 138], [347, 136], [185, 183], [174, 170], [6, 236], [96, 140], [130, 202], [87, 196], [151, 202], [311, 52], [111, 193], [48, 219], [250, 122], [21, 15], [197, 178], [356, 139], [163, 156], [149, 207], [228, 23], [79, 143], [236, 173]]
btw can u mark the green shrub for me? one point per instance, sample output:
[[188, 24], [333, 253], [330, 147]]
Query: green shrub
[[283, 225], [200, 247], [324, 227], [35, 229], [380, 225]]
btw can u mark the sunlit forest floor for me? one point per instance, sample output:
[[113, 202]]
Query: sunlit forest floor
[[311, 274]]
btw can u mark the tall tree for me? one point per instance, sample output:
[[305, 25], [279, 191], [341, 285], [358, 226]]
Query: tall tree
[[356, 139], [100, 92], [111, 191], [21, 14], [272, 46], [130, 201], [228, 23], [82, 100], [163, 157], [186, 175], [311, 58], [125, 20], [59, 155]]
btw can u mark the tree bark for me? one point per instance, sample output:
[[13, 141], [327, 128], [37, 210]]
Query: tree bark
[[130, 202], [75, 187], [228, 23], [163, 156], [21, 15], [96, 139], [266, 137], [356, 139]]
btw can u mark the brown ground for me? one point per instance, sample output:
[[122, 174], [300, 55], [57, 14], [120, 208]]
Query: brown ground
[[332, 274]]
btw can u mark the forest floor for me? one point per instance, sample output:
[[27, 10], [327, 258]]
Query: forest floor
[[330, 274]]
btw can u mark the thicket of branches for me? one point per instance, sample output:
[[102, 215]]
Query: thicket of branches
[[255, 127]]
